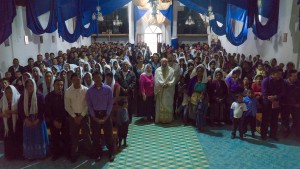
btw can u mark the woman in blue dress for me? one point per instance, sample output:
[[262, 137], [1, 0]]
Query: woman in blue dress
[[31, 112]]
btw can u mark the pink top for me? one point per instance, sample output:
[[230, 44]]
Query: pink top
[[256, 89], [147, 84]]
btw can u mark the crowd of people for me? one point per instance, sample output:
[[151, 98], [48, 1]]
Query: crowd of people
[[78, 93]]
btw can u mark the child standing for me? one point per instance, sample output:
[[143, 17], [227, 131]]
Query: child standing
[[201, 112], [250, 114], [123, 121], [237, 110]]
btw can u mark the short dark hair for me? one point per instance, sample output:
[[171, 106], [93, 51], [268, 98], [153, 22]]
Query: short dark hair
[[58, 80], [74, 75], [4, 79], [290, 72], [109, 74], [122, 101], [95, 73], [276, 70], [29, 59], [15, 59]]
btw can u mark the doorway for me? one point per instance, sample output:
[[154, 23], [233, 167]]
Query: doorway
[[153, 37]]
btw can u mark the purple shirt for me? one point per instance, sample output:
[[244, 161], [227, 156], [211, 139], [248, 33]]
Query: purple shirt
[[234, 86], [271, 87], [99, 99]]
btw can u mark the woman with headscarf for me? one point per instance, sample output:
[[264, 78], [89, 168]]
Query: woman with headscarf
[[217, 92], [146, 82], [37, 76], [196, 86], [47, 86], [98, 68], [55, 70], [12, 124], [87, 80], [211, 68], [31, 112], [155, 63], [86, 68], [127, 80], [115, 66], [182, 65], [138, 69], [273, 62], [110, 81], [235, 86]]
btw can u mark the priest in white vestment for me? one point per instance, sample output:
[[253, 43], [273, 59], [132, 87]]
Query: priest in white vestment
[[164, 90]]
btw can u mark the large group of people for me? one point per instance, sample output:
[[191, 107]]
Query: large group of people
[[78, 93]]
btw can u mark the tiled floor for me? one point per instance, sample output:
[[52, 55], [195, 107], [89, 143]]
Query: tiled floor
[[176, 146]]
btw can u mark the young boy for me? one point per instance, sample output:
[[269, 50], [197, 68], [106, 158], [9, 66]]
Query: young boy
[[237, 110], [250, 115], [201, 112], [122, 121]]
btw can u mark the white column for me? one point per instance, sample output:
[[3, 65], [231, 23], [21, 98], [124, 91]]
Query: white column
[[131, 22], [175, 16]]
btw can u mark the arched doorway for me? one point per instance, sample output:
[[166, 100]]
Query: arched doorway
[[153, 36]]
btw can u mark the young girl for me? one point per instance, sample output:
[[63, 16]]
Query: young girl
[[201, 112], [236, 112], [123, 121]]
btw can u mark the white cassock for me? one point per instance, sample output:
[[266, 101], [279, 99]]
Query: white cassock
[[164, 96]]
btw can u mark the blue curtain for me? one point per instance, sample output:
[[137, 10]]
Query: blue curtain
[[174, 43], [7, 15], [169, 15], [220, 31], [242, 37], [266, 31], [32, 16]]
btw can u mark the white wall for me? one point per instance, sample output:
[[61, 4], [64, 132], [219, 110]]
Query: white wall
[[18, 49], [282, 51]]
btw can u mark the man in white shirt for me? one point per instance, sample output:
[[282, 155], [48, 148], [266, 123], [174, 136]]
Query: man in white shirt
[[76, 106]]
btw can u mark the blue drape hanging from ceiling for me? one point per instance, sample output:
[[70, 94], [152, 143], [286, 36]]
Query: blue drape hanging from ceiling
[[169, 15], [32, 18], [62, 10], [7, 15], [243, 16], [266, 31]]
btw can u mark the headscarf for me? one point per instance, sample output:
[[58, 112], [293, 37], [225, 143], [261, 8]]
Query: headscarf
[[107, 67], [92, 82], [65, 65], [194, 73], [40, 75], [89, 67], [100, 67], [233, 70], [33, 107], [181, 69], [218, 70], [218, 62], [80, 70], [210, 62], [112, 83], [118, 66], [30, 77], [14, 106], [145, 70], [45, 89]]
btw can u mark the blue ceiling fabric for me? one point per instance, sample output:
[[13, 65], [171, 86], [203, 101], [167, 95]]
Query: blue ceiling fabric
[[169, 15], [32, 16], [266, 31], [219, 30], [7, 13], [242, 15]]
